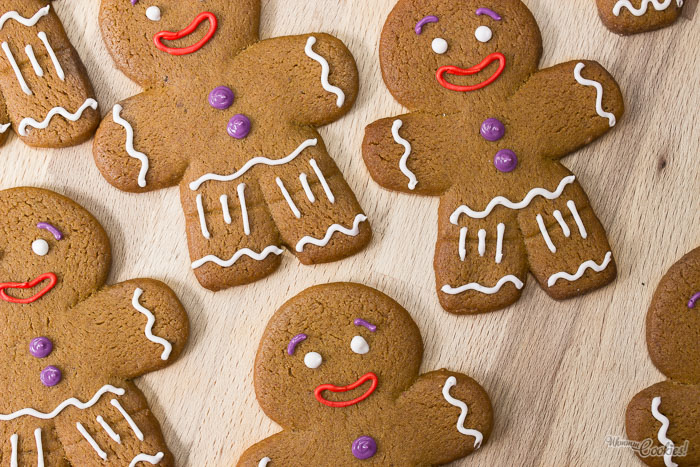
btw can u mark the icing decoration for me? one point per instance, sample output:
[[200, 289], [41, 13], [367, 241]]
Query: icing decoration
[[693, 300], [105, 426], [221, 97], [40, 347], [3, 128], [579, 223], [244, 208], [252, 163], [52, 229], [40, 247], [15, 68], [663, 432], [225, 210], [488, 12], [322, 179], [501, 229], [304, 179], [412, 180], [51, 277], [172, 36], [167, 346], [463, 243], [483, 34], [239, 126], [335, 228], [242, 252], [617, 9], [599, 93], [564, 228], [90, 102], [359, 345], [587, 265], [361, 322], [313, 360], [202, 218], [482, 242], [128, 419], [91, 441], [116, 116], [32, 59], [13, 442], [478, 437], [21, 19], [50, 376], [288, 198], [52, 55], [485, 290], [134, 2], [492, 129], [424, 22], [325, 71], [545, 234], [153, 13], [296, 340], [264, 461], [39, 448], [440, 46], [505, 160], [68, 402], [364, 447], [318, 392], [500, 200], [454, 70], [153, 460]]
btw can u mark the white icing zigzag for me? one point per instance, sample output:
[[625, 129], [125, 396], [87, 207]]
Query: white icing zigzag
[[587, 265], [335, 228], [242, 252], [68, 402], [21, 19], [116, 116], [149, 325], [485, 290], [478, 437], [599, 96], [90, 102], [617, 9], [325, 71], [412, 180], [153, 460], [663, 432]]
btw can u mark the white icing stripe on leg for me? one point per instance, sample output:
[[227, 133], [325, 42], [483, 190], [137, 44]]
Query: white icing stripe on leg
[[32, 59], [325, 71], [22, 20], [463, 243], [480, 288], [128, 419], [659, 6], [242, 252], [224, 209], [663, 432], [13, 442], [91, 441], [590, 264], [15, 68], [116, 116], [52, 54], [335, 228], [202, 219], [545, 234], [562, 223], [108, 429], [264, 461], [499, 243], [464, 410], [290, 201], [581, 228], [599, 93], [304, 179], [244, 208], [482, 242], [151, 320], [322, 179], [73, 117], [412, 180], [39, 448], [153, 460]]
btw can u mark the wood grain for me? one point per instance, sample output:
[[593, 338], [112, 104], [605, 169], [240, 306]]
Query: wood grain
[[560, 374]]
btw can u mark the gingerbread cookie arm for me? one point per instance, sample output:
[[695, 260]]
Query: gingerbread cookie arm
[[635, 16], [570, 104], [5, 123], [278, 449]]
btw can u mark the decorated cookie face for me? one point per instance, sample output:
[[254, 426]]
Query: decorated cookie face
[[635, 16]]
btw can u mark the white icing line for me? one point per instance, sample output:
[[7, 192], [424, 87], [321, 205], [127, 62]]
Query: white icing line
[[167, 346], [153, 460], [13, 442], [21, 19], [304, 179], [252, 163], [663, 432], [224, 209], [128, 419], [15, 68], [617, 9], [288, 198], [242, 252], [480, 288], [478, 437], [90, 102], [463, 243], [335, 228], [264, 461], [39, 448], [499, 243], [325, 71], [545, 234], [105, 426], [244, 208], [3, 128], [482, 242], [68, 402], [116, 116], [562, 223], [599, 93], [91, 441], [579, 223], [590, 264], [500, 200], [52, 54], [202, 218], [412, 180], [322, 179], [32, 59]]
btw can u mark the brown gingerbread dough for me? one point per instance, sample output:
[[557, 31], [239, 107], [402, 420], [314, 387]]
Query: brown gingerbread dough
[[635, 16]]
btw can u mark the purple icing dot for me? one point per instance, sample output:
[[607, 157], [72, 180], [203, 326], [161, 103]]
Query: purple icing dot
[[364, 447], [221, 98], [50, 376], [40, 347], [492, 129], [505, 160], [239, 126]]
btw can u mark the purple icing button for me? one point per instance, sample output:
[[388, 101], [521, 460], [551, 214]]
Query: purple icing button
[[239, 126], [50, 376], [221, 98], [505, 160], [492, 129], [40, 347], [364, 447]]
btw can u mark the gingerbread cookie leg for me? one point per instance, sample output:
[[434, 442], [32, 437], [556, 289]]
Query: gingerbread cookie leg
[[5, 123], [30, 441]]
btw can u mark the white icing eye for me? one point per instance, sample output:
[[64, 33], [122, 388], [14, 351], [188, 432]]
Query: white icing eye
[[153, 13], [313, 360], [40, 247], [440, 45], [359, 345], [483, 33]]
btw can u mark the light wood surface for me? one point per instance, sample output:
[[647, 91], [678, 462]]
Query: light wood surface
[[560, 374]]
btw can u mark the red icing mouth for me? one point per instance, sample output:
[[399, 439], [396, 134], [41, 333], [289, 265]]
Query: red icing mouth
[[453, 70], [329, 387], [172, 36], [51, 277]]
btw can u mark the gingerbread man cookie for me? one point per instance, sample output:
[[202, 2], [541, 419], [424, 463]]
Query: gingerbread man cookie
[[232, 120], [45, 94], [487, 139], [337, 368], [635, 16], [71, 345], [668, 413]]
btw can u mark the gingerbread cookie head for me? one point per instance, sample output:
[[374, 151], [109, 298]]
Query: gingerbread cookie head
[[635, 16]]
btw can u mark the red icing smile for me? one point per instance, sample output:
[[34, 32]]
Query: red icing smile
[[51, 277], [454, 70], [172, 36], [329, 387]]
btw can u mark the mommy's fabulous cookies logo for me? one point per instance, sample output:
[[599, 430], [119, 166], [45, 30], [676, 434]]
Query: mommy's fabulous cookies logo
[[648, 447]]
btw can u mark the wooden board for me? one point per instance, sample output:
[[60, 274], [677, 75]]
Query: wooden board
[[560, 374]]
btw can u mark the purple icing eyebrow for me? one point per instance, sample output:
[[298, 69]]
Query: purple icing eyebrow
[[54, 231], [695, 298], [294, 342], [362, 322], [487, 11], [424, 21]]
